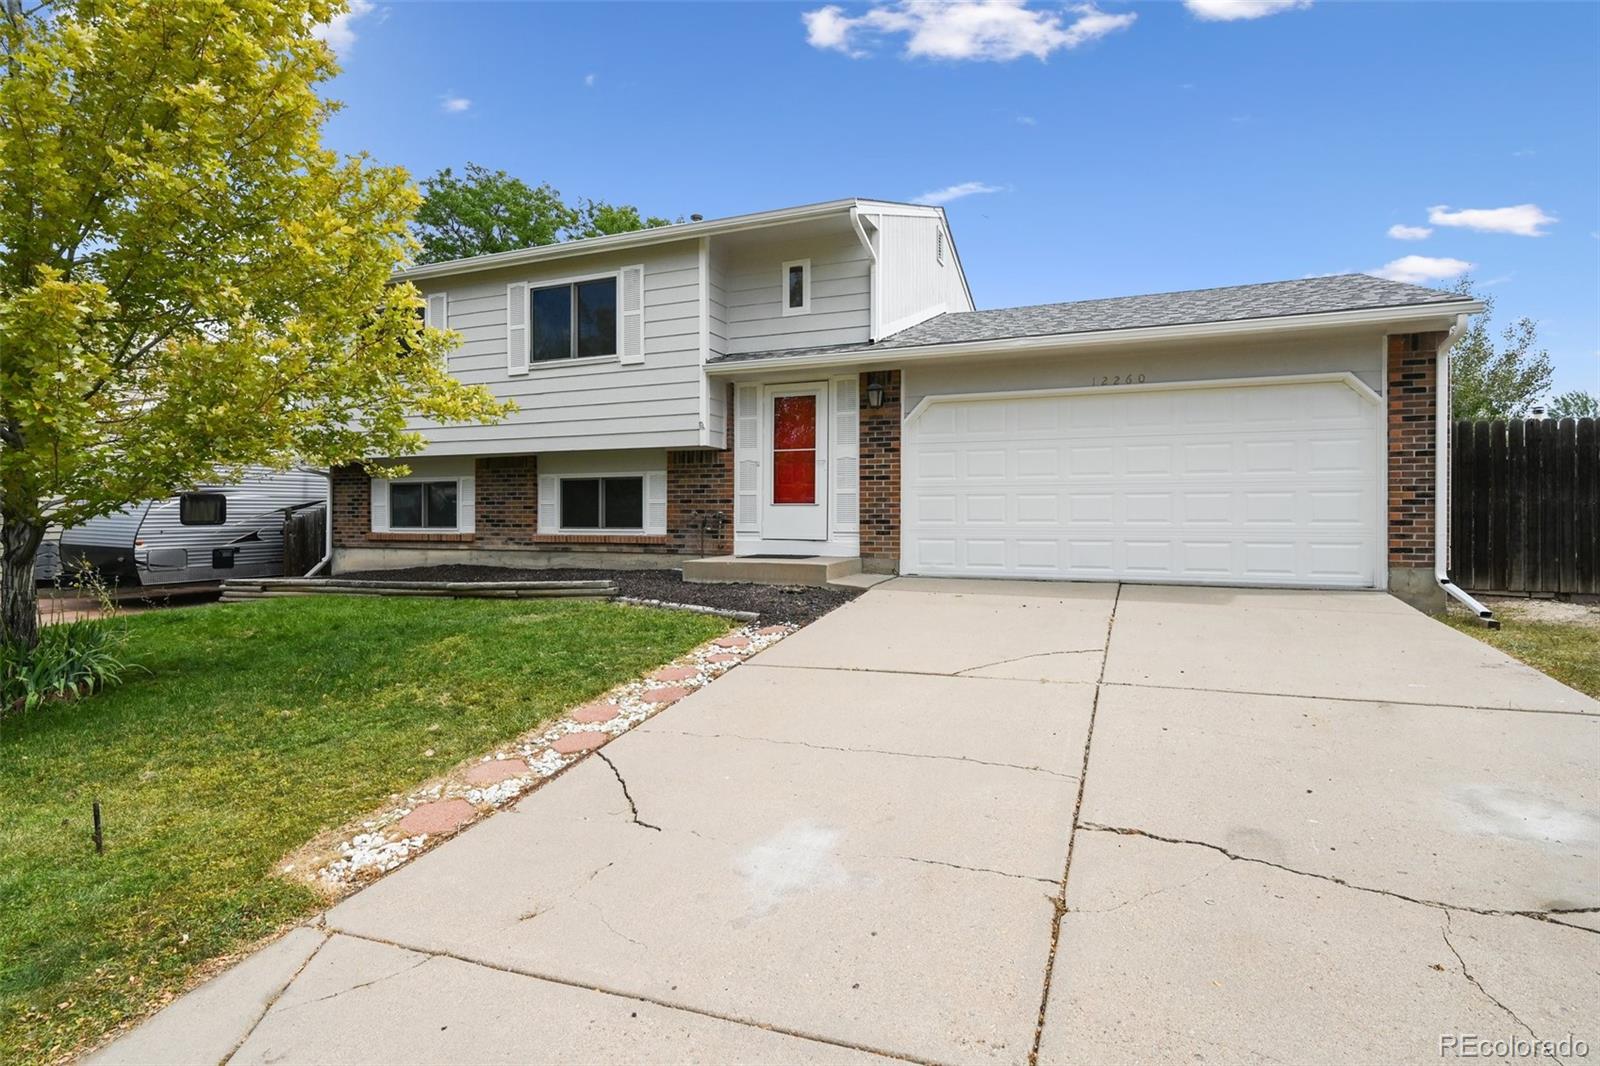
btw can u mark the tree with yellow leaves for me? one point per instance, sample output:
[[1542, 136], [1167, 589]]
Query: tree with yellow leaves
[[189, 282]]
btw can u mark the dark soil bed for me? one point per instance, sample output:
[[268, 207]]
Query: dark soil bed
[[774, 603]]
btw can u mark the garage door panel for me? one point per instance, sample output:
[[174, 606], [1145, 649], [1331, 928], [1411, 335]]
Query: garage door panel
[[1258, 484]]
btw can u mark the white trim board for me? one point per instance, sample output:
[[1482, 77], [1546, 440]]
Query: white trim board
[[885, 356], [1343, 377]]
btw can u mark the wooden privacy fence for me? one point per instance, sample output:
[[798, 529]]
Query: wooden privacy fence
[[1525, 505], [304, 539]]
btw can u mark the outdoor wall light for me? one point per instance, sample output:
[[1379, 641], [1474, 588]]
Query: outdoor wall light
[[875, 393]]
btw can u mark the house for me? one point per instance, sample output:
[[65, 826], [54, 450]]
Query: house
[[816, 381]]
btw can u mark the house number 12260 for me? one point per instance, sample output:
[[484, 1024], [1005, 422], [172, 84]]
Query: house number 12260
[[1120, 379]]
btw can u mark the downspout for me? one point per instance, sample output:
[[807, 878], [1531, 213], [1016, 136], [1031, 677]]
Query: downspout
[[327, 530], [873, 282], [1441, 486]]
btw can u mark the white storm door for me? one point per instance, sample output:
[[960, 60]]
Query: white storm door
[[796, 462]]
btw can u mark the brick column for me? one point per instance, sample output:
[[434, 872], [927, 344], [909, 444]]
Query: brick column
[[352, 506], [1413, 377], [880, 475], [700, 495]]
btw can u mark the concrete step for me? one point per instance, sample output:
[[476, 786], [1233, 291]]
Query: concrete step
[[817, 570]]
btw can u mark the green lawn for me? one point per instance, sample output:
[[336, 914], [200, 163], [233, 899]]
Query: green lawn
[[1567, 651], [256, 727]]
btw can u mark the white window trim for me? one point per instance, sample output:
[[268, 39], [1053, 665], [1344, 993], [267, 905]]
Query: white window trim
[[805, 288], [423, 479], [589, 531], [586, 360]]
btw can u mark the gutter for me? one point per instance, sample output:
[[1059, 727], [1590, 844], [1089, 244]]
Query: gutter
[[1441, 484], [682, 231], [874, 280], [879, 354]]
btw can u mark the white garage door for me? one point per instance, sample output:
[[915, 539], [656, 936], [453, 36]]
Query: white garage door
[[1260, 484]]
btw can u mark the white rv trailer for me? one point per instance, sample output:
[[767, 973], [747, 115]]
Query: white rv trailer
[[209, 533]]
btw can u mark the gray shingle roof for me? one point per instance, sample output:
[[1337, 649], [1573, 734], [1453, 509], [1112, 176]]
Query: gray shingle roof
[[1274, 299]]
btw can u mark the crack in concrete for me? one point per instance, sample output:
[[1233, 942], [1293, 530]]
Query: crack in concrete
[[1021, 658], [633, 808], [613, 929], [1059, 900], [272, 1001], [976, 869], [364, 984], [908, 673], [870, 751], [1475, 983], [584, 986], [1147, 895], [1488, 912], [1347, 699]]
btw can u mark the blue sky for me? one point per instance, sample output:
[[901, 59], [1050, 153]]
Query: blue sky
[[1103, 151]]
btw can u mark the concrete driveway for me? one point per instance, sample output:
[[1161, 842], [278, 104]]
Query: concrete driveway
[[1292, 826]]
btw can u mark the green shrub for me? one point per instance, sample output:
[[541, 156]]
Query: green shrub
[[71, 659]]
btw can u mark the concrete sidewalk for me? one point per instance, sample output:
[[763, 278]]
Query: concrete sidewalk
[[1310, 827]]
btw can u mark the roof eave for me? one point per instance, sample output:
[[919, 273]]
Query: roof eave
[[1440, 314], [619, 241]]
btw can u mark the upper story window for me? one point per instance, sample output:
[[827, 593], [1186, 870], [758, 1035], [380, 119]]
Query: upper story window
[[202, 509], [797, 287], [423, 504], [574, 320]]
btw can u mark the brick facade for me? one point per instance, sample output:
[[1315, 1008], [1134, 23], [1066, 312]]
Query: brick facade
[[506, 503], [352, 506], [506, 509], [1413, 411], [880, 474]]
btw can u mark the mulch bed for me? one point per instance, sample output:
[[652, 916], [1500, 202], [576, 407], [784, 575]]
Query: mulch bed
[[794, 604]]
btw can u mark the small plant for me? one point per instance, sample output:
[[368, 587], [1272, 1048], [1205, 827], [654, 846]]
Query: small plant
[[72, 658]]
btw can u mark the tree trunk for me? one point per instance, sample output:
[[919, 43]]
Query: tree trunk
[[19, 613]]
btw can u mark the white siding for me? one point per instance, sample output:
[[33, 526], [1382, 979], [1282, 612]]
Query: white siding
[[840, 294], [913, 285], [1359, 352], [717, 344], [589, 404]]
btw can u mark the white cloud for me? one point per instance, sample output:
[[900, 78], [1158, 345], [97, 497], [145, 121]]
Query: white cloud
[[1027, 120], [991, 30], [1419, 269], [1234, 10], [1523, 220], [588, 81], [1401, 232], [339, 32], [955, 192], [454, 105]]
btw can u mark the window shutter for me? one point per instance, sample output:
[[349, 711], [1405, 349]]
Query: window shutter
[[437, 315], [630, 335], [846, 456], [747, 459], [380, 505], [466, 505], [655, 502], [549, 503], [517, 328]]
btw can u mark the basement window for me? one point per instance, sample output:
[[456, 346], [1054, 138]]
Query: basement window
[[423, 504], [602, 503]]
